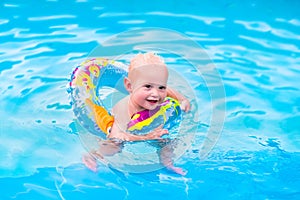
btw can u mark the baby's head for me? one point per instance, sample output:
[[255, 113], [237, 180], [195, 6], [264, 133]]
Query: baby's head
[[146, 64], [147, 80]]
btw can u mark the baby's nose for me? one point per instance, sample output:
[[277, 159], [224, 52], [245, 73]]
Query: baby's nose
[[154, 92]]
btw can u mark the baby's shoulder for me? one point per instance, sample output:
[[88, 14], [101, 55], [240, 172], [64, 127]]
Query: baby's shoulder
[[121, 106], [123, 103], [120, 113]]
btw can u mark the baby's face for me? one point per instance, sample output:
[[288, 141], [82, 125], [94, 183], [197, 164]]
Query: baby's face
[[149, 84]]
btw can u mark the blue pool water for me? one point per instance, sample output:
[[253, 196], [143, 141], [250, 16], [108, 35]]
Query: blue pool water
[[255, 48]]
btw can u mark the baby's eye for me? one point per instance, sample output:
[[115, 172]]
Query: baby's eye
[[147, 86], [162, 87]]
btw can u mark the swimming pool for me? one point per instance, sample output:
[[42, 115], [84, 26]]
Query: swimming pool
[[255, 48]]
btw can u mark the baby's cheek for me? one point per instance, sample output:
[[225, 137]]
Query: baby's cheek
[[164, 95]]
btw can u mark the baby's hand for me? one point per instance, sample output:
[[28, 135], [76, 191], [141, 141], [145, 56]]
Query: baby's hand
[[185, 105], [157, 133]]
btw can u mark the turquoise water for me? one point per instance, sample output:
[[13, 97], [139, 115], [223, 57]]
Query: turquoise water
[[255, 48]]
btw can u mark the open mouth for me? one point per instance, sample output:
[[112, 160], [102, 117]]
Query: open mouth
[[152, 101]]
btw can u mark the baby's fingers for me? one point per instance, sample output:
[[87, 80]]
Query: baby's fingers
[[164, 132], [158, 128], [185, 105]]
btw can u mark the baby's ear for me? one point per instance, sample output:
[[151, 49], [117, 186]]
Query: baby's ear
[[128, 85]]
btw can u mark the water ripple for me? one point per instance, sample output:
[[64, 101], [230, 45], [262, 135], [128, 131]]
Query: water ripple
[[247, 112], [206, 20], [11, 5], [131, 21], [295, 22], [46, 79], [272, 44], [264, 27], [3, 21], [58, 106], [45, 18]]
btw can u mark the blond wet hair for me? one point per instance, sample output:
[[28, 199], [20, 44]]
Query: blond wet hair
[[145, 59]]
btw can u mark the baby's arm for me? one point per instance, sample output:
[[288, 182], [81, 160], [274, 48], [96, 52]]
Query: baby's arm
[[117, 133], [184, 102]]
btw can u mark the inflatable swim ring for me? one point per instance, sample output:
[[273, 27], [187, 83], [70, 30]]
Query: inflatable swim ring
[[168, 113], [86, 81]]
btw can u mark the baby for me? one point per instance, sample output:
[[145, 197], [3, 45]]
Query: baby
[[147, 87]]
